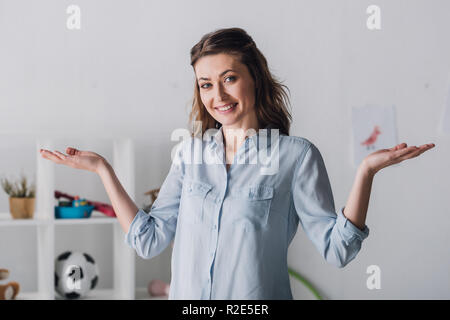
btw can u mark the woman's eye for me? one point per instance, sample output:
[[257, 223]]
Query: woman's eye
[[203, 86]]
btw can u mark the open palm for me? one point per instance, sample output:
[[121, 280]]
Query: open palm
[[84, 160], [386, 157]]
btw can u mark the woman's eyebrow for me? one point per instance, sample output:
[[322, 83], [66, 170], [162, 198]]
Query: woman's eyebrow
[[202, 78]]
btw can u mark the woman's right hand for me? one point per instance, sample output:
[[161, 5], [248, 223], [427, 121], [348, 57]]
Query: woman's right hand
[[84, 160]]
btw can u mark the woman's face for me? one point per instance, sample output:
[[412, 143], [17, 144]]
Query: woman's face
[[227, 90]]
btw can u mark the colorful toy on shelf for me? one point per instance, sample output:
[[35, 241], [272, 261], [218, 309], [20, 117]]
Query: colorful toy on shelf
[[79, 208], [104, 208], [10, 290], [76, 274], [77, 202]]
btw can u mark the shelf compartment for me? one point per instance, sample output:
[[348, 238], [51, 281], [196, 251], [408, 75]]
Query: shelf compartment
[[30, 296], [96, 218], [7, 221], [46, 226]]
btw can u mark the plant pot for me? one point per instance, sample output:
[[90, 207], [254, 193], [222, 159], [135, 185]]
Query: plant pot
[[21, 208]]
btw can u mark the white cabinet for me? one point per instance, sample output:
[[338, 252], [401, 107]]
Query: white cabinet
[[123, 257]]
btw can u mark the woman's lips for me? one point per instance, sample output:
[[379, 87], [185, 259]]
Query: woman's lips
[[227, 111]]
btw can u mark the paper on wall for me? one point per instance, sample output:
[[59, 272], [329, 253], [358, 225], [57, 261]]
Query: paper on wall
[[374, 128]]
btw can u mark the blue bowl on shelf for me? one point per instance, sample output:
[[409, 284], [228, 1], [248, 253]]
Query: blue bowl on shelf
[[73, 212]]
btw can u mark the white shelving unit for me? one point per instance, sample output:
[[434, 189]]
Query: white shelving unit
[[123, 256]]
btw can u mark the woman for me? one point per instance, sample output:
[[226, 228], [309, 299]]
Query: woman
[[233, 219]]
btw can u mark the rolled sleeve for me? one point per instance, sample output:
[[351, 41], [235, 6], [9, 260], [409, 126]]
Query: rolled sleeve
[[348, 230], [137, 227], [150, 233], [334, 236]]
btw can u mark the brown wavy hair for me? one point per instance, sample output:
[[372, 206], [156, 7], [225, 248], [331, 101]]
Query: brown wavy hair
[[271, 100]]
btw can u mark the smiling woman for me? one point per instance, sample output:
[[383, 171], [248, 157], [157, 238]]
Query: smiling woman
[[231, 221]]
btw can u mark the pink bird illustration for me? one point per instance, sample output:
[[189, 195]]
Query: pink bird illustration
[[370, 142]]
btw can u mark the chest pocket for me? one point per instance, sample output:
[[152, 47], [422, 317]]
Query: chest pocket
[[250, 206], [194, 200]]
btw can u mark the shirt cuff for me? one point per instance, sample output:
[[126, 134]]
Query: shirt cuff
[[348, 230], [136, 226]]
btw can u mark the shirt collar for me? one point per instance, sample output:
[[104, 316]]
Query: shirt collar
[[218, 139]]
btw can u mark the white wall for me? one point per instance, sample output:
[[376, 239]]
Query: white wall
[[127, 73]]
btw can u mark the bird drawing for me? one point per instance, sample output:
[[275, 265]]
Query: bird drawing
[[370, 141]]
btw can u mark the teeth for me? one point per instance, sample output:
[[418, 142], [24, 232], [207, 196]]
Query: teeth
[[226, 108]]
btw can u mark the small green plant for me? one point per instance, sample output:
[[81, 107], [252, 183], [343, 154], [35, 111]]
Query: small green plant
[[18, 189]]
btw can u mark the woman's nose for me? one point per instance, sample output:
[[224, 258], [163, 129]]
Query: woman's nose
[[221, 93]]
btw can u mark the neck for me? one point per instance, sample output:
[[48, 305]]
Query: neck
[[235, 136]]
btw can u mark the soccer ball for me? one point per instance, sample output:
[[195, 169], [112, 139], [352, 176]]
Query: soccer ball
[[75, 274]]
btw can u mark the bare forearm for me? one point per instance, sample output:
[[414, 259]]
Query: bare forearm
[[121, 202], [358, 200]]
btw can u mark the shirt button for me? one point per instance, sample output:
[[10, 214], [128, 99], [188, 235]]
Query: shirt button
[[215, 227]]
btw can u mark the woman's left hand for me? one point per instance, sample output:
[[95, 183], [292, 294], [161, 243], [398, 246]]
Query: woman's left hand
[[380, 159]]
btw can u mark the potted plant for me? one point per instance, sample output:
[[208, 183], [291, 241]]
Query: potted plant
[[21, 198]]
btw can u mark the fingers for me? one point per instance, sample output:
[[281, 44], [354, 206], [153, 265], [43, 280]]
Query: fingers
[[46, 154], [55, 156], [414, 151], [399, 146], [72, 151], [425, 147], [60, 155], [403, 151]]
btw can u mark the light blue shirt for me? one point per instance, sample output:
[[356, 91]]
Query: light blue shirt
[[232, 229]]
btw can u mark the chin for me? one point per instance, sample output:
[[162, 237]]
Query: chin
[[228, 122]]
